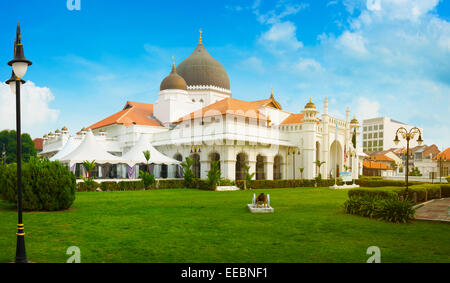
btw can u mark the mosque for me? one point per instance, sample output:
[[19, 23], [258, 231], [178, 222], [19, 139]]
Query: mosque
[[196, 116]]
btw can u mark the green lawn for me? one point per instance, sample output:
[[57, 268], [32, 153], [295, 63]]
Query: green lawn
[[201, 226]]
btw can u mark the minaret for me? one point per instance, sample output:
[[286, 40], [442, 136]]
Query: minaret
[[309, 139], [325, 144]]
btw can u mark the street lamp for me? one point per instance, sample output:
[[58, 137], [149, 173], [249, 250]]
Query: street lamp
[[441, 159], [293, 151], [408, 136], [19, 65]]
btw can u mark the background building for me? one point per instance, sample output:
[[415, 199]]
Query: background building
[[378, 134]]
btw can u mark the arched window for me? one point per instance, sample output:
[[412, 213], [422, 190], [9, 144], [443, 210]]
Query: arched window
[[241, 162]]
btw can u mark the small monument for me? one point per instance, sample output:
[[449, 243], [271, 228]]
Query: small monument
[[260, 204]]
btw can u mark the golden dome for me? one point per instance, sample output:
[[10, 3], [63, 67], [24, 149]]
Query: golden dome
[[354, 121], [201, 69], [173, 81], [57, 131], [310, 104], [64, 129]]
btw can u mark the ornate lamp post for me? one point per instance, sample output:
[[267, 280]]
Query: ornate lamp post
[[19, 65], [441, 159], [293, 151], [408, 136]]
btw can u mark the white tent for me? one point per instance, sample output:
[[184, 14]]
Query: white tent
[[90, 150], [136, 154], [71, 144]]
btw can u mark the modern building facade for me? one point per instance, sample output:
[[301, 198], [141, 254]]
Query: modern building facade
[[378, 134]]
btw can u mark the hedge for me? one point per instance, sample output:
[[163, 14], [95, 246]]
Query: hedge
[[47, 185], [278, 184], [417, 193], [374, 183], [445, 191]]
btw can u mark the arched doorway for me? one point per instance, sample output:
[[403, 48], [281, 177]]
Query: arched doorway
[[178, 157], [335, 159], [214, 156], [241, 162], [277, 167], [260, 173], [196, 165], [318, 158]]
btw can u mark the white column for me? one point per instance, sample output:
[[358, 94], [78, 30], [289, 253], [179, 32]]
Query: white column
[[268, 167]]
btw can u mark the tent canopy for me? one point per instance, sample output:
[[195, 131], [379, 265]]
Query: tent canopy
[[136, 154], [70, 146], [90, 150]]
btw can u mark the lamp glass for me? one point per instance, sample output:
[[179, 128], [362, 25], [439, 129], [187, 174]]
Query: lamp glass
[[20, 69], [396, 141], [12, 85]]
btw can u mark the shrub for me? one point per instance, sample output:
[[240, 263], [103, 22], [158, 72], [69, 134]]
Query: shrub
[[188, 175], [147, 178], [171, 184], [389, 208], [396, 210], [131, 185], [448, 179], [89, 185], [369, 182], [445, 191], [214, 175], [109, 186], [47, 186]]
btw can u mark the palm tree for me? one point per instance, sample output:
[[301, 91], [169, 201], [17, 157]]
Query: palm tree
[[301, 172], [214, 175], [319, 164], [89, 166], [147, 156]]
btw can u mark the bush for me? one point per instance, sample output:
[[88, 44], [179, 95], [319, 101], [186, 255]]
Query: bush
[[396, 210], [47, 186], [131, 185], [171, 184], [391, 208], [89, 185], [445, 191], [147, 178], [448, 179], [109, 186], [371, 183]]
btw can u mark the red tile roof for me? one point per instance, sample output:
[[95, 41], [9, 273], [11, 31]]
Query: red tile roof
[[134, 113], [230, 106], [38, 143], [445, 154], [293, 119], [376, 165]]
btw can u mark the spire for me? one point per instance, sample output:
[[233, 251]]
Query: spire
[[200, 40], [271, 92], [173, 64]]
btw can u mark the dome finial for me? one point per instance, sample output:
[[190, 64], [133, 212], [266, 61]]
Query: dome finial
[[271, 92], [200, 41], [173, 64]]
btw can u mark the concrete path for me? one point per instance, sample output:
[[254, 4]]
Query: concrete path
[[436, 210]]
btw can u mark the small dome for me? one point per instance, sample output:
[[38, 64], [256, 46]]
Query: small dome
[[64, 129], [173, 81], [201, 69], [57, 131], [354, 121], [310, 104]]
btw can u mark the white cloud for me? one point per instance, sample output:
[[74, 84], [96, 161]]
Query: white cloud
[[367, 109], [254, 64], [35, 104], [281, 37], [353, 42], [308, 65]]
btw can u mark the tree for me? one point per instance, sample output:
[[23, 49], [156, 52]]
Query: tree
[[9, 139], [147, 156], [319, 164], [301, 172], [89, 166], [214, 175], [188, 175], [248, 176]]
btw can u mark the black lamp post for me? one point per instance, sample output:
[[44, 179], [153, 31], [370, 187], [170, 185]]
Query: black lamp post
[[293, 151], [19, 65], [408, 136]]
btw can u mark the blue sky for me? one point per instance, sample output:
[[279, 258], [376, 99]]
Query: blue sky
[[378, 57]]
